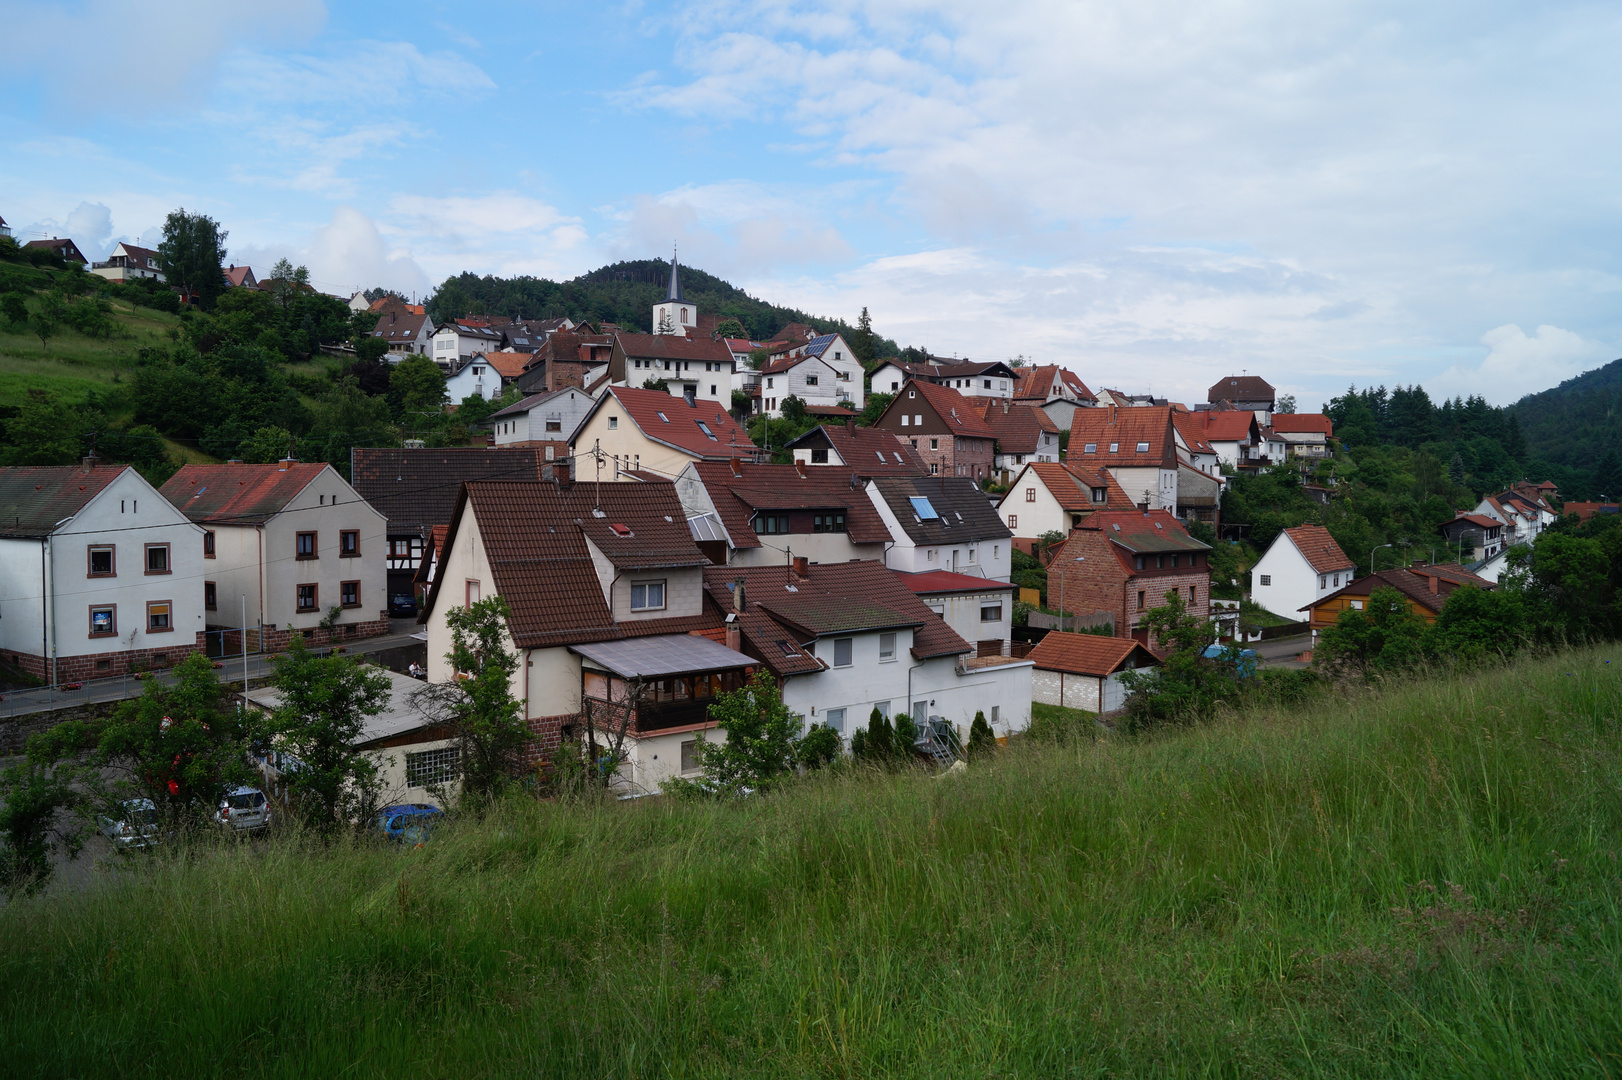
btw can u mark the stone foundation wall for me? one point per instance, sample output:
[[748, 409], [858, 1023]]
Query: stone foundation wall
[[269, 639], [89, 666], [546, 735]]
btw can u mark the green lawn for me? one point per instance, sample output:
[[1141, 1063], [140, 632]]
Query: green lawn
[[1419, 882], [71, 363]]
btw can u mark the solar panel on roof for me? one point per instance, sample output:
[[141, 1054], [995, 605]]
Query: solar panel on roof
[[921, 507]]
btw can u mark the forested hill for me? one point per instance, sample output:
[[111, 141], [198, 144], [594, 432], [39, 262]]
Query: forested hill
[[1578, 422], [624, 293]]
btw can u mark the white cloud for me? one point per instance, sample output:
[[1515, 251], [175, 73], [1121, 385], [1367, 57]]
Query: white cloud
[[143, 58], [502, 233], [1517, 364], [735, 227], [364, 74]]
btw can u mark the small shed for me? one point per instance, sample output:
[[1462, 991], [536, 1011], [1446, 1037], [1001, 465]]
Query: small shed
[[1082, 671]]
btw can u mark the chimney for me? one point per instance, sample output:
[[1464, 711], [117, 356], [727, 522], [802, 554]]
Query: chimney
[[233, 461], [799, 467], [1435, 583], [737, 468], [850, 427], [801, 567], [1112, 412], [734, 637], [87, 462], [281, 466], [737, 596]]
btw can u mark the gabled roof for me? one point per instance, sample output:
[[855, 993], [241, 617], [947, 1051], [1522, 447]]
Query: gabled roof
[[535, 541], [1192, 429], [509, 365], [963, 514], [1303, 424], [1319, 549], [35, 498], [673, 347], [142, 256], [1126, 428], [1482, 521], [782, 607], [238, 494], [739, 493], [1228, 426], [1414, 583], [1042, 383], [1241, 388], [418, 488], [1152, 532], [1072, 486], [959, 414], [675, 422], [788, 363], [819, 345], [239, 276], [869, 451], [524, 405], [1088, 654], [396, 327], [1019, 427]]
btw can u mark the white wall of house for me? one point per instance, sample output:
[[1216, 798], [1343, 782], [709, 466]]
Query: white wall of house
[[452, 345], [1158, 485], [674, 317], [812, 381], [128, 515], [327, 506], [1030, 509], [971, 616], [554, 419], [1283, 582], [476, 377], [849, 376], [982, 558], [856, 689], [1003, 693], [391, 772], [1078, 691], [653, 758]]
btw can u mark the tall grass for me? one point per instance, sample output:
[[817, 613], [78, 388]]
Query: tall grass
[[1419, 882]]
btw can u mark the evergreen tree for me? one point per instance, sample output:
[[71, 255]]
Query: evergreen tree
[[880, 736], [1455, 470], [861, 342], [1608, 477], [982, 740]]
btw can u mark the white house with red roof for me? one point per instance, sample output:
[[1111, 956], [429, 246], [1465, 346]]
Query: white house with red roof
[[290, 546], [805, 377], [99, 574], [128, 262], [1304, 434], [1049, 497], [978, 610], [1301, 567], [629, 429], [1057, 391]]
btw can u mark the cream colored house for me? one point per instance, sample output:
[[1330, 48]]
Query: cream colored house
[[629, 429]]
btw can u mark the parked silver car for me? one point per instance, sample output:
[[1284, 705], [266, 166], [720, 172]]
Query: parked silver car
[[133, 824], [244, 809]]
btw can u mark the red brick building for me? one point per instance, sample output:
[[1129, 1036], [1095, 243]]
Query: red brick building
[[947, 429], [1125, 564]]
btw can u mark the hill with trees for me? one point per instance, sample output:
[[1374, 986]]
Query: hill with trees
[[1575, 429]]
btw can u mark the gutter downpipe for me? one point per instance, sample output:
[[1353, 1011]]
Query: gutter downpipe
[[48, 574], [45, 599], [259, 542]]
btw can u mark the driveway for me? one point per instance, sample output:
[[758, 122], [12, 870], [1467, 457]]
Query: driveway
[[1281, 652]]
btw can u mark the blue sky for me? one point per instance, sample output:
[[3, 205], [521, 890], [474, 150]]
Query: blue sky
[[1153, 194]]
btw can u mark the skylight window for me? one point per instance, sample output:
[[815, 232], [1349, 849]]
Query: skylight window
[[663, 417], [1143, 448], [705, 428], [1115, 448], [1090, 448], [879, 455], [921, 507]]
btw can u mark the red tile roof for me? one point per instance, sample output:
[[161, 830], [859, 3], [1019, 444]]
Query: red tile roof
[[1228, 426], [1303, 423], [1018, 427], [868, 450], [1072, 486], [784, 487], [1319, 548], [1192, 429], [832, 411], [941, 582], [1037, 383], [1087, 654], [672, 347], [1125, 428], [34, 498], [1485, 522], [509, 365], [959, 414], [238, 493], [1153, 532], [672, 421], [1241, 388]]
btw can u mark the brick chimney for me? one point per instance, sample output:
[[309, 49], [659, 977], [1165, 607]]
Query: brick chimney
[[734, 636], [801, 568], [737, 468], [87, 462], [799, 467], [282, 465], [1436, 584], [737, 596]]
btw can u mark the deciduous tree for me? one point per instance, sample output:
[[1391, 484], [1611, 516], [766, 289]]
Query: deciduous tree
[[477, 702], [192, 255]]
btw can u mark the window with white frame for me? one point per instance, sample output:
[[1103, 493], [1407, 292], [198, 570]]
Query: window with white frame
[[689, 756], [886, 647], [834, 718], [430, 768], [647, 595], [1030, 494]]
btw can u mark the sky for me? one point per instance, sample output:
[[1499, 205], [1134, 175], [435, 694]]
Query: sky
[[1152, 194]]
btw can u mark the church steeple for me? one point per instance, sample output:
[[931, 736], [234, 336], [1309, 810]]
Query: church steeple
[[675, 279]]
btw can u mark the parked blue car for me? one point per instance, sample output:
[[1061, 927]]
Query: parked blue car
[[1244, 660], [409, 823]]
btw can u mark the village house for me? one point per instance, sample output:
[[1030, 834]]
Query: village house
[[291, 545], [1304, 434], [1057, 391], [941, 523], [453, 344], [807, 378], [568, 358], [1523, 509], [606, 592], [63, 249], [1233, 435], [849, 376], [548, 418], [1125, 564], [749, 515], [696, 367], [1024, 433], [1301, 566], [485, 375], [416, 490], [1138, 445], [240, 277], [128, 262], [1053, 497], [1482, 534], [869, 451], [99, 575], [978, 610], [1083, 671], [844, 639], [630, 429], [1245, 392], [944, 427], [972, 379], [1425, 587]]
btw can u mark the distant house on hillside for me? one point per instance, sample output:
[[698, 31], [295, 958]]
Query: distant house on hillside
[[1245, 392], [1425, 587], [240, 277], [128, 262], [63, 249]]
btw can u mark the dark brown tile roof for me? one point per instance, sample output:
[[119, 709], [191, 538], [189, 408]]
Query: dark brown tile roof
[[672, 347], [965, 515], [1319, 548], [1413, 582], [1087, 654], [739, 493], [535, 540], [396, 327], [674, 422], [419, 488], [831, 598], [33, 498], [1143, 533], [1241, 388], [959, 414], [869, 451], [238, 493]]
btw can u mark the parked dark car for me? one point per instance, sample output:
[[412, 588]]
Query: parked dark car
[[402, 605], [409, 823]]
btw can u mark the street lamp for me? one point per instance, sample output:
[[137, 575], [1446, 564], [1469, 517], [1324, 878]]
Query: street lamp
[[1371, 555]]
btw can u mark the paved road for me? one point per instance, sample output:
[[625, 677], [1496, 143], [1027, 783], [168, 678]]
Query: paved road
[[24, 702], [1281, 652]]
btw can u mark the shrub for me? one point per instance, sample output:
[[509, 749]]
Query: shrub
[[982, 740]]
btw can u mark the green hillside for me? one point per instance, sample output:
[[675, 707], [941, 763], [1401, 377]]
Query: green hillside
[[1418, 881], [1574, 425]]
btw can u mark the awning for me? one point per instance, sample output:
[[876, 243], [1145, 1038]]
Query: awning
[[664, 654]]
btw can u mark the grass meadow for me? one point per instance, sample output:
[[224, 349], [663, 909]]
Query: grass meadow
[[71, 363], [1417, 881]]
